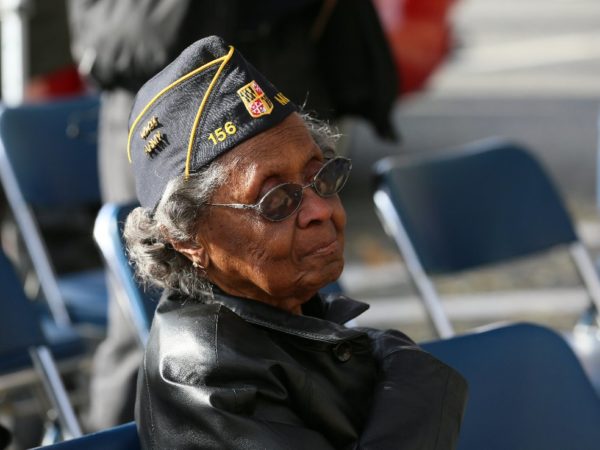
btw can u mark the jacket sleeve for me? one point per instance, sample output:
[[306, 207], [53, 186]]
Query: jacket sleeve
[[418, 402], [215, 419], [195, 398], [123, 43]]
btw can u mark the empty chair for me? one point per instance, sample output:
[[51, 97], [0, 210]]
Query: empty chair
[[527, 390], [122, 437], [462, 208], [48, 162], [22, 340]]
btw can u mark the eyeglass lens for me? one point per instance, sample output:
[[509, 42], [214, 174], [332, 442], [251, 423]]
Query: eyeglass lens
[[283, 200]]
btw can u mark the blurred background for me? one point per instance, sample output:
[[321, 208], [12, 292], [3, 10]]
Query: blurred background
[[521, 69]]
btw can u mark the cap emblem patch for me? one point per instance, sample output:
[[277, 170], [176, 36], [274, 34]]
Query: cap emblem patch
[[255, 100]]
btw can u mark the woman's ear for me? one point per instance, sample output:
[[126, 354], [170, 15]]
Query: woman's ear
[[194, 251]]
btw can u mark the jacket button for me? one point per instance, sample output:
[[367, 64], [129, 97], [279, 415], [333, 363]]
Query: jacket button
[[342, 351]]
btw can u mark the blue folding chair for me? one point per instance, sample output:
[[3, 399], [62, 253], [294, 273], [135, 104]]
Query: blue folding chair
[[22, 339], [122, 437], [48, 160], [457, 209], [527, 390], [137, 303]]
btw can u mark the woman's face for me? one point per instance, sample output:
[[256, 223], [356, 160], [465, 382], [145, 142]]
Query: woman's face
[[282, 263]]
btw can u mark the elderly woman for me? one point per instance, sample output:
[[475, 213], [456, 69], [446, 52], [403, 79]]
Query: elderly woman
[[241, 224]]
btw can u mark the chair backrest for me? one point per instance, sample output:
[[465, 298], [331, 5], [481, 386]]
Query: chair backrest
[[486, 202], [527, 390], [138, 303], [122, 437], [483, 203], [51, 148], [48, 159], [19, 325]]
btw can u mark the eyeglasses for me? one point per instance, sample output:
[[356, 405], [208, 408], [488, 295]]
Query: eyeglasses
[[284, 200]]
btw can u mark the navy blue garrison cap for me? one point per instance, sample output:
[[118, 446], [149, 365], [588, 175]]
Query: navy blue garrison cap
[[207, 101]]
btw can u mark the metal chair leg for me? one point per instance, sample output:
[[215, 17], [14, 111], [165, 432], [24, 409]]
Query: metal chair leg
[[45, 366]]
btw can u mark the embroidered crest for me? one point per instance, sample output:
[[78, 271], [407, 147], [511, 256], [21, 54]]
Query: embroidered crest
[[255, 100]]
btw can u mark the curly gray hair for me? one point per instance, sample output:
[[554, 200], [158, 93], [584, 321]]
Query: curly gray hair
[[148, 234]]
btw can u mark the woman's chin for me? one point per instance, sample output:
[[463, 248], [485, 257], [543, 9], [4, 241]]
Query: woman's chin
[[328, 273]]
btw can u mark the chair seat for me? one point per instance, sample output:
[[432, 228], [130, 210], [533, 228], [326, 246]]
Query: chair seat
[[122, 437], [63, 342], [86, 296], [527, 390]]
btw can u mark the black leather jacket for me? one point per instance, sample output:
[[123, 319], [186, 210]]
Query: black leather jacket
[[232, 373]]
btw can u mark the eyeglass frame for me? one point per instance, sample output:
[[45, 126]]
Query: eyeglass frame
[[256, 206]]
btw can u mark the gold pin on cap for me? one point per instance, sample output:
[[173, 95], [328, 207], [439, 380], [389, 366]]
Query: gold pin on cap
[[153, 143], [151, 125]]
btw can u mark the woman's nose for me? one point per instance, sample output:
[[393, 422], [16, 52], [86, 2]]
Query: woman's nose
[[314, 208]]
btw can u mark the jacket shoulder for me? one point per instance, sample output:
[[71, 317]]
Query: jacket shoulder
[[189, 341]]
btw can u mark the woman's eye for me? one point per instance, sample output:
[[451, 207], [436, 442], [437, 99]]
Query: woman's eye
[[265, 188], [313, 170]]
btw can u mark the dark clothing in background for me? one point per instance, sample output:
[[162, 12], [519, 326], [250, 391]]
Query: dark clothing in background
[[228, 372], [330, 55]]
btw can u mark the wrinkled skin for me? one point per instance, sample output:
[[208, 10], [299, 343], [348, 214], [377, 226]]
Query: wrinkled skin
[[280, 263]]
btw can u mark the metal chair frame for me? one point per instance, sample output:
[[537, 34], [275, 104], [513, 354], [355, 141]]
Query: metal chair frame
[[127, 292], [23, 344]]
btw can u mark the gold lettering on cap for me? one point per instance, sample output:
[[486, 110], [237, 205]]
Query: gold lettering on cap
[[282, 99], [153, 143], [151, 125]]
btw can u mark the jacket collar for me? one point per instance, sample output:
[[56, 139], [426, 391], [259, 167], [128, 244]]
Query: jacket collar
[[322, 320]]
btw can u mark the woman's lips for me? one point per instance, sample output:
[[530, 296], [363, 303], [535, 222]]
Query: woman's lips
[[325, 248]]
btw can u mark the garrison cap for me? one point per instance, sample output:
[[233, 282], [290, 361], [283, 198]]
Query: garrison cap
[[207, 101]]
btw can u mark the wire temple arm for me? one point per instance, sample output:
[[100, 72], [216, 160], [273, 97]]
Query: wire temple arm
[[234, 205]]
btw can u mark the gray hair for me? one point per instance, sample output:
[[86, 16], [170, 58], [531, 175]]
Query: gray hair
[[149, 234]]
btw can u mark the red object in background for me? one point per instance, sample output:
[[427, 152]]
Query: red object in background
[[63, 82], [419, 35]]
